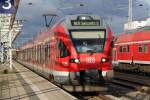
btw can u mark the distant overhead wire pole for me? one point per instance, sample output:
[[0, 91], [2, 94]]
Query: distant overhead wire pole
[[130, 16], [48, 23], [49, 18], [130, 10]]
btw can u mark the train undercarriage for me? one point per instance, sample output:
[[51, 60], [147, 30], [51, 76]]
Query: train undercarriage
[[143, 69], [83, 81]]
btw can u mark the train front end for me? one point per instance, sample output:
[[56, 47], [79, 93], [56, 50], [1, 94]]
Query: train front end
[[85, 49]]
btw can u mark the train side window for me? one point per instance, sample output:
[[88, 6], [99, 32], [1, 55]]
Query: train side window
[[43, 54], [145, 48], [120, 49], [128, 48], [124, 49], [47, 52], [34, 51], [40, 53], [62, 49], [140, 48]]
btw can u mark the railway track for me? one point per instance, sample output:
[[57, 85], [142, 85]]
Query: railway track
[[135, 79], [140, 85], [123, 87], [114, 92]]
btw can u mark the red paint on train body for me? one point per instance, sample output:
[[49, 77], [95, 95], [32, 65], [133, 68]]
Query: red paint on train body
[[133, 48]]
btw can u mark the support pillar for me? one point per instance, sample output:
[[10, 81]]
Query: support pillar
[[10, 50], [2, 52]]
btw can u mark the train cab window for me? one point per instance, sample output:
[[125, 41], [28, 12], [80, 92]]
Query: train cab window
[[62, 49], [145, 48], [92, 42], [140, 48]]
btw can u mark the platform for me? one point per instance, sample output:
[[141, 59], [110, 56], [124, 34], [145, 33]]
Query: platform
[[24, 84]]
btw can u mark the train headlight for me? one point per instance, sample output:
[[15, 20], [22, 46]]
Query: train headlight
[[84, 17], [103, 60], [75, 60]]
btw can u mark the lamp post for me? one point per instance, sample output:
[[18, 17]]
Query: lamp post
[[10, 49]]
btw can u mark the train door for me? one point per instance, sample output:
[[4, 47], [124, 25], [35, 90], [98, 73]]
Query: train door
[[114, 54]]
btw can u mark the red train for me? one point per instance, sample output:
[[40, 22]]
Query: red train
[[132, 51], [76, 50]]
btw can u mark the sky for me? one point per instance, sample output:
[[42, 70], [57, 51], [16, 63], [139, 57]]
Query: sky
[[117, 10]]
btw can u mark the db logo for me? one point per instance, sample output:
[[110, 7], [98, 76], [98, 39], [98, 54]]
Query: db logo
[[90, 60]]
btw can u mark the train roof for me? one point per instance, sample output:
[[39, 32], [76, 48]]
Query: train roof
[[140, 29], [124, 38], [142, 35], [41, 38]]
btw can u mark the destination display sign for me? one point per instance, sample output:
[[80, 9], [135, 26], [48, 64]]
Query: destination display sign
[[7, 6], [85, 22]]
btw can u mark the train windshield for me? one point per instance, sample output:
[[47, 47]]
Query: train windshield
[[88, 41]]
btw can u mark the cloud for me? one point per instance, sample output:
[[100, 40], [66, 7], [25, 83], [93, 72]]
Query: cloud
[[117, 9], [145, 1]]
